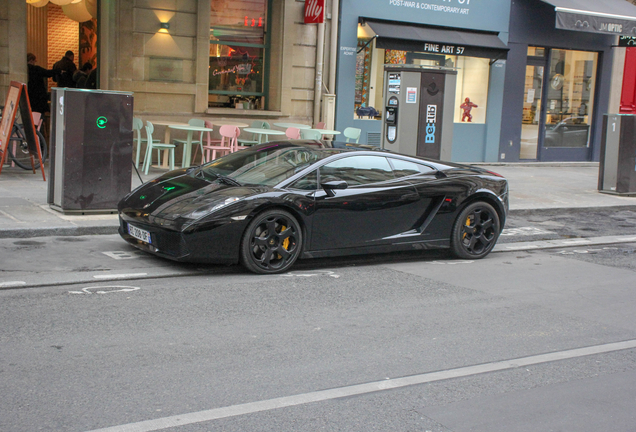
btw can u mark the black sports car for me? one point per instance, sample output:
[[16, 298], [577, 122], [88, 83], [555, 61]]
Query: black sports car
[[271, 204]]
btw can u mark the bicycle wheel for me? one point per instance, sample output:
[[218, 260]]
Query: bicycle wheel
[[18, 150]]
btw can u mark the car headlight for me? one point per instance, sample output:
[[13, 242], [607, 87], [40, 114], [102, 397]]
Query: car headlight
[[202, 211]]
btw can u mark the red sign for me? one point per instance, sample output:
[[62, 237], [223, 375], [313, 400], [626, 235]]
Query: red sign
[[314, 11]]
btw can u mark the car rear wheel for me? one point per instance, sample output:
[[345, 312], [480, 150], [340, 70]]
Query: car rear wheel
[[475, 231], [271, 243]]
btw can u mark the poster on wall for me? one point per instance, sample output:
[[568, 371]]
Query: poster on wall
[[88, 43]]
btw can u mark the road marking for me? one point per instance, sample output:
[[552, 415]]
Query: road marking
[[360, 389], [309, 273], [11, 284], [121, 255], [105, 289], [561, 243], [451, 262], [119, 276], [525, 231]]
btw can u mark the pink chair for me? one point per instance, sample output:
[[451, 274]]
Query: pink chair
[[320, 125], [229, 137], [292, 133], [214, 145]]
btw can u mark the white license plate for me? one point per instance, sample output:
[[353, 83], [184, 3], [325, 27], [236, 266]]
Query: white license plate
[[138, 233]]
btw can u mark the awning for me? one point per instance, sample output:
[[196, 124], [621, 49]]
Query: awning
[[617, 17], [405, 37]]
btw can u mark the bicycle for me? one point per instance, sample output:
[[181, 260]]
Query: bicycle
[[18, 148]]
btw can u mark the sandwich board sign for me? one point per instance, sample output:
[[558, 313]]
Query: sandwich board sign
[[18, 100]]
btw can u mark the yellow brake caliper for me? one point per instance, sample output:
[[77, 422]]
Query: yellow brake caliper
[[285, 242], [467, 224]]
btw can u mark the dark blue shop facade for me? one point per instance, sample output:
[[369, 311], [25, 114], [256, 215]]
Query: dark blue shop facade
[[525, 90]]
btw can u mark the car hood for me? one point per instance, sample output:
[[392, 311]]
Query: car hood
[[178, 196]]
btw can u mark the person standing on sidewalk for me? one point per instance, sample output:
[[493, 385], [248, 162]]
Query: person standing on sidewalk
[[67, 67], [36, 86]]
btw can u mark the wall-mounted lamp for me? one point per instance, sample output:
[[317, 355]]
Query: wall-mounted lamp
[[164, 27]]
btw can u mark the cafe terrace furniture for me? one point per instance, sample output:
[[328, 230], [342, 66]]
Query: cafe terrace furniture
[[263, 132], [187, 150], [292, 133], [197, 142], [215, 145], [310, 134], [327, 132], [166, 135], [154, 145], [352, 133], [259, 124], [294, 125], [138, 125]]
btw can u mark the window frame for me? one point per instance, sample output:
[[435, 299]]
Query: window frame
[[266, 46]]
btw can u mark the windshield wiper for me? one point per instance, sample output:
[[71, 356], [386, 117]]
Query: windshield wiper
[[205, 175], [227, 180]]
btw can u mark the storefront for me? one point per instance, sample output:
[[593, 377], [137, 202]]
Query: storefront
[[557, 84], [469, 37]]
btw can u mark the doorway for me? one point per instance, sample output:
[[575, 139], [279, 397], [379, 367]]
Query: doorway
[[558, 105]]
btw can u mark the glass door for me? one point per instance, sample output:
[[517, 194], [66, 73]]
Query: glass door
[[531, 120], [569, 105]]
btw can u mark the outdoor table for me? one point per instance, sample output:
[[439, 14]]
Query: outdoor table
[[222, 122], [294, 125], [187, 154], [166, 136], [260, 132], [327, 131]]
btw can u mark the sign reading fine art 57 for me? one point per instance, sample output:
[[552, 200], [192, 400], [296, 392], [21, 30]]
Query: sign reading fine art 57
[[314, 11]]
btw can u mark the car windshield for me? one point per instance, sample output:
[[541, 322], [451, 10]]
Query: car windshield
[[265, 165]]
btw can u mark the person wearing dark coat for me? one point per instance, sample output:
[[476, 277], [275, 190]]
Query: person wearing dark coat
[[67, 67], [36, 85], [81, 74]]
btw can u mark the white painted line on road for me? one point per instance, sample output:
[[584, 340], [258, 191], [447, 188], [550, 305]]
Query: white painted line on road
[[525, 231], [561, 243], [121, 255], [10, 284], [323, 395], [105, 289], [119, 276]]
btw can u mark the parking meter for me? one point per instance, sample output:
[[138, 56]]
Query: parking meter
[[391, 118]]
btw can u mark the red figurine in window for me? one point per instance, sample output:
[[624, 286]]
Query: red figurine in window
[[467, 106]]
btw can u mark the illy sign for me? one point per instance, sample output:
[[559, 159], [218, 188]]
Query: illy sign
[[314, 11]]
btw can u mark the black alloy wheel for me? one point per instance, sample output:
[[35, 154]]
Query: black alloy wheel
[[271, 243], [475, 231]]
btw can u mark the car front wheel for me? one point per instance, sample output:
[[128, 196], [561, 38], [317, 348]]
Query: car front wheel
[[475, 231], [271, 243]]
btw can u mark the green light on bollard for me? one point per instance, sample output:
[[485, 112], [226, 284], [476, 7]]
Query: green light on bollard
[[101, 122]]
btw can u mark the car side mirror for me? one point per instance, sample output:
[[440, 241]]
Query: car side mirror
[[330, 185]]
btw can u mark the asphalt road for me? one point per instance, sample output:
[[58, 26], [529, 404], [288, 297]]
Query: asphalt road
[[520, 341]]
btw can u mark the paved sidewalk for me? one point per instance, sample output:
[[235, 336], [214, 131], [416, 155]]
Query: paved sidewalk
[[24, 211]]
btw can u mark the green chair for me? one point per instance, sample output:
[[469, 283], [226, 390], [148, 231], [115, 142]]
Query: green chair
[[310, 134], [138, 125], [199, 142], [152, 145], [352, 133]]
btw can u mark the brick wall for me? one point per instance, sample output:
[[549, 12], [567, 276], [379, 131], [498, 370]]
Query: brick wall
[[63, 35]]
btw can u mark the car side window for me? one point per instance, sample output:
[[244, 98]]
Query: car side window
[[308, 182], [359, 170], [403, 168]]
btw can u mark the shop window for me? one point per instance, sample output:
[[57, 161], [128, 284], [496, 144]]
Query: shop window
[[238, 52], [572, 75], [471, 93]]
